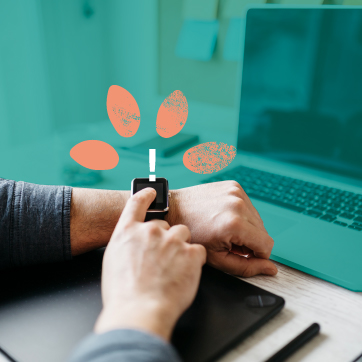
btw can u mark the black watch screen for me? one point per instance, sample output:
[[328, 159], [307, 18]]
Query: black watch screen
[[161, 187]]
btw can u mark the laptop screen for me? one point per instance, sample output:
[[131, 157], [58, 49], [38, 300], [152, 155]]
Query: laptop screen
[[301, 95]]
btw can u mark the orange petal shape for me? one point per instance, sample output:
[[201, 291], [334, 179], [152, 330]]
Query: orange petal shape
[[172, 115], [96, 155], [209, 157], [123, 111]]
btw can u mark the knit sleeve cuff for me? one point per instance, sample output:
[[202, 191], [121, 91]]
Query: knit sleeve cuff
[[40, 224], [126, 345]]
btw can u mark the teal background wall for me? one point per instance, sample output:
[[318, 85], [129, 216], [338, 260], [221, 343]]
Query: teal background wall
[[57, 60], [214, 81]]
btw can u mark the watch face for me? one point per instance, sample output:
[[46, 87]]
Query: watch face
[[161, 187]]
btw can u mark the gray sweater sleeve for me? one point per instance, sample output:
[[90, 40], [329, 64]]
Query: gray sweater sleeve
[[124, 345], [34, 223]]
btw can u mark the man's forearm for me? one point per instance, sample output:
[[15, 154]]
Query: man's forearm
[[42, 224], [93, 217]]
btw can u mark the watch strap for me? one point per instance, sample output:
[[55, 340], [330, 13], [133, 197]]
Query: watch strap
[[160, 215]]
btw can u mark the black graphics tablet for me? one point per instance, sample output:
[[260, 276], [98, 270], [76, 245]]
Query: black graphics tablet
[[46, 310]]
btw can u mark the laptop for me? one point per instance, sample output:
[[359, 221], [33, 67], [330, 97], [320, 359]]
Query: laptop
[[300, 136]]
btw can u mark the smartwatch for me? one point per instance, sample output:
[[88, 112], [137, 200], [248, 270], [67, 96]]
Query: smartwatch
[[159, 207]]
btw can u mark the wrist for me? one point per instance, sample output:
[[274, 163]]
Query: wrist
[[146, 315], [109, 213], [93, 217], [173, 216]]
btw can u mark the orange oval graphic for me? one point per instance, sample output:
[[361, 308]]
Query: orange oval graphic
[[172, 114], [209, 157], [123, 111], [96, 155]]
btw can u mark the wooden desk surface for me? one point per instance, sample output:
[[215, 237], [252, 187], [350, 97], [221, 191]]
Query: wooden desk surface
[[307, 300]]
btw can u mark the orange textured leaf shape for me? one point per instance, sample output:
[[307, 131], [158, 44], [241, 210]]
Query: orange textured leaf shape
[[96, 155], [172, 115], [209, 157], [123, 111]]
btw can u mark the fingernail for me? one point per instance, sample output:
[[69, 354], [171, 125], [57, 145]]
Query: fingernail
[[271, 270]]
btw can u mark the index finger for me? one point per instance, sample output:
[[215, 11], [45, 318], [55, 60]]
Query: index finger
[[137, 205]]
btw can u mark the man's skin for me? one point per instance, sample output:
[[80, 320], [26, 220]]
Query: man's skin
[[220, 216]]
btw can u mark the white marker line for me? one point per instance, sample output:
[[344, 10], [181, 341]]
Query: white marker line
[[152, 163], [152, 155]]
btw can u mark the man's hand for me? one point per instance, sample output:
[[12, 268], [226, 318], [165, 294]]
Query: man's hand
[[150, 273], [221, 217]]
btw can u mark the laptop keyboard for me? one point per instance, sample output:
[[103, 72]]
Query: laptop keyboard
[[332, 205]]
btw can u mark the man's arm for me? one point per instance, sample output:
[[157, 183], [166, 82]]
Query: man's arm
[[40, 224], [52, 223]]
